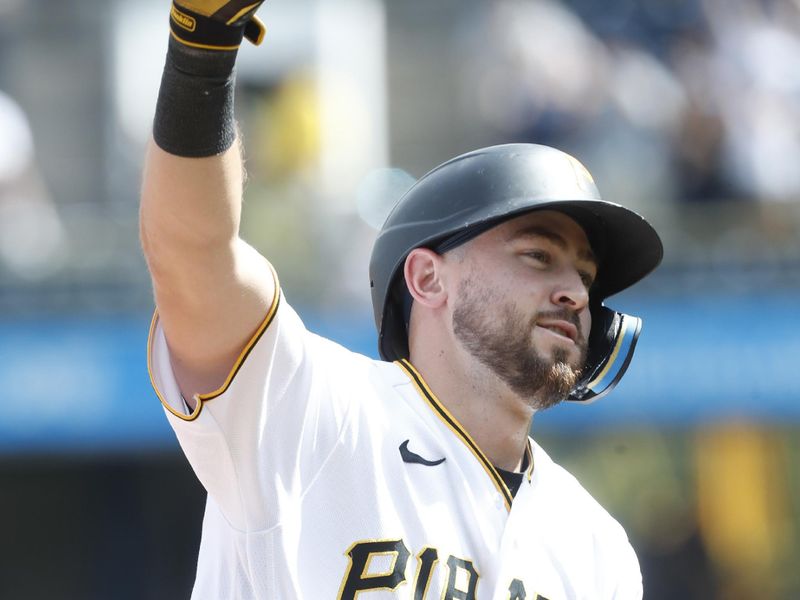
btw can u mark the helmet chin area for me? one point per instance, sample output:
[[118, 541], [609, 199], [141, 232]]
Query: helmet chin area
[[612, 351]]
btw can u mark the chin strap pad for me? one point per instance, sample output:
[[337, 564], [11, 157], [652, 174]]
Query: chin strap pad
[[611, 345]]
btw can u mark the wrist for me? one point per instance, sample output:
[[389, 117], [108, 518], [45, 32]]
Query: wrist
[[194, 112]]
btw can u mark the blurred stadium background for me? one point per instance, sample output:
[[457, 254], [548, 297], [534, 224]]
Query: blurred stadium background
[[686, 110]]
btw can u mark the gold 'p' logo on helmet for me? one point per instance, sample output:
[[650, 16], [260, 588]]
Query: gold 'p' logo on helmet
[[582, 175]]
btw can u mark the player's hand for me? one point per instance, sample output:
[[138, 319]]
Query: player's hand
[[215, 24]]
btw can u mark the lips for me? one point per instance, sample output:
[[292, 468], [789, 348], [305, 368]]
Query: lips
[[560, 328]]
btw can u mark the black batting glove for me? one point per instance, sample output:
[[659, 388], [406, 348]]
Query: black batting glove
[[215, 24]]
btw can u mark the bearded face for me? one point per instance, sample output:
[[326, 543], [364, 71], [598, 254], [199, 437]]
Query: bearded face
[[500, 336]]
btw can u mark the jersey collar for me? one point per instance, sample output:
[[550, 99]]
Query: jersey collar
[[452, 423]]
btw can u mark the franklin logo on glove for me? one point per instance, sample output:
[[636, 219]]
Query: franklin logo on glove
[[182, 20]]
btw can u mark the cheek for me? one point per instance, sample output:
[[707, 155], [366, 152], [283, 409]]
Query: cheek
[[586, 323]]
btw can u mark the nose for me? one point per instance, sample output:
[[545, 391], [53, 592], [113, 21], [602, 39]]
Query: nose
[[571, 292]]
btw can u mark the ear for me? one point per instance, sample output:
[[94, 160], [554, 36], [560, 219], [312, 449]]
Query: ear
[[423, 274]]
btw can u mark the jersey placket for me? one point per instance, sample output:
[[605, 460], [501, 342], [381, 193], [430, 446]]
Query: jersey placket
[[492, 499], [527, 570]]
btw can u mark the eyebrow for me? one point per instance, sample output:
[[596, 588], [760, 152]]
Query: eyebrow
[[556, 238]]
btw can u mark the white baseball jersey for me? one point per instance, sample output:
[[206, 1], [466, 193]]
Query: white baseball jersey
[[332, 475]]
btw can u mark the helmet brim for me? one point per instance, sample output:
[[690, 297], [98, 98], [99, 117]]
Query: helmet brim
[[627, 246]]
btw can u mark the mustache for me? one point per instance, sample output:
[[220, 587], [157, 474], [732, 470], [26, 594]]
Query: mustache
[[563, 315]]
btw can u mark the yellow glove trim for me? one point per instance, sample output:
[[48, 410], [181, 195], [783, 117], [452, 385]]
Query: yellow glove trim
[[203, 46], [242, 12]]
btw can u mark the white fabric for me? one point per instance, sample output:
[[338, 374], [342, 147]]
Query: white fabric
[[16, 141], [300, 458]]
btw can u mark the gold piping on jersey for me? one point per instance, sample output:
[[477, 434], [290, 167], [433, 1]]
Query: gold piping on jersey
[[529, 455], [393, 554], [455, 427], [398, 543], [467, 565], [420, 594], [202, 398]]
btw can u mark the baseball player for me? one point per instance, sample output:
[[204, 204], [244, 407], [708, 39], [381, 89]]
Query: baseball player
[[332, 475]]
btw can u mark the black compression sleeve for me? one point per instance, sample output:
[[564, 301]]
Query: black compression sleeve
[[194, 112]]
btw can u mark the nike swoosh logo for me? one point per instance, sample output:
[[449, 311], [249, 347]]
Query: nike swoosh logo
[[412, 457]]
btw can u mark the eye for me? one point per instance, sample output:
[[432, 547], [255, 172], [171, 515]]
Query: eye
[[586, 278], [540, 256]]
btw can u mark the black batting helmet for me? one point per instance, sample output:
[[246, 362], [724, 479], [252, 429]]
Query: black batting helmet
[[472, 193]]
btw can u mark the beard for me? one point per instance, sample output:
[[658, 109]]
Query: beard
[[505, 346]]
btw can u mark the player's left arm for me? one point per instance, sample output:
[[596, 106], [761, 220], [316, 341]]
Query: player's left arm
[[259, 388], [212, 289]]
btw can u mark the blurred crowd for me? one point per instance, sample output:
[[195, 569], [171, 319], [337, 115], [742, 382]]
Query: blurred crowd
[[699, 98], [686, 110], [31, 233]]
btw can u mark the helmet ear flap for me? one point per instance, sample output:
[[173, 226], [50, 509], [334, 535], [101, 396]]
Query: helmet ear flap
[[393, 337], [612, 341]]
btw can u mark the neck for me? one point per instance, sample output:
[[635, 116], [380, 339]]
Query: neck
[[496, 418]]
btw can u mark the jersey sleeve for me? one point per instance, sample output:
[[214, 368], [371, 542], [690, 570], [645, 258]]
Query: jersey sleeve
[[266, 432], [629, 577], [592, 543], [619, 576]]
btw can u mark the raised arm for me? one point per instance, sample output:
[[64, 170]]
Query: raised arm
[[212, 289]]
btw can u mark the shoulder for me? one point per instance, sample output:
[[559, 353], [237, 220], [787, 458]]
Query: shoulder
[[574, 503], [586, 530], [346, 363], [344, 369]]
